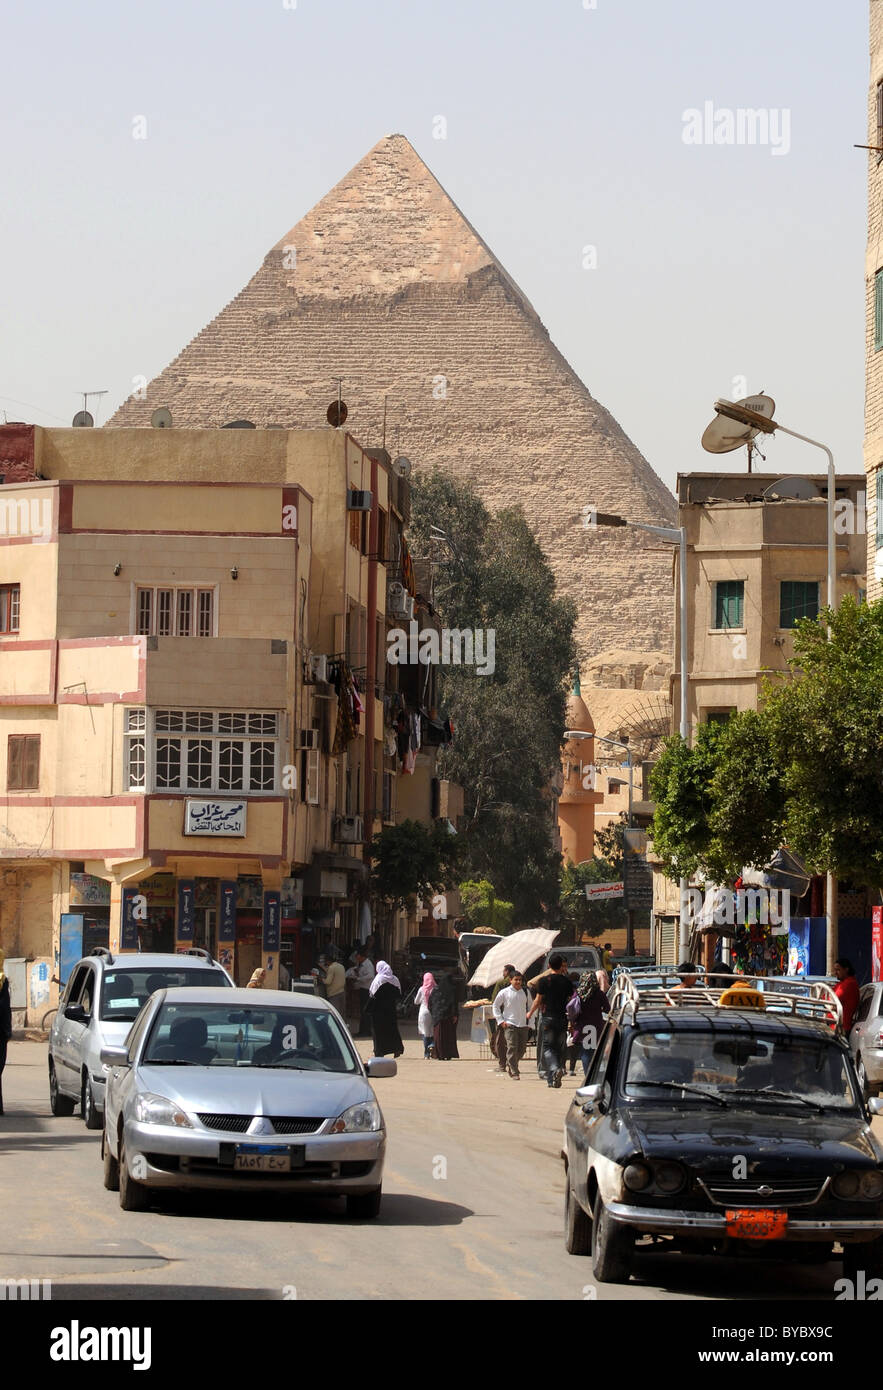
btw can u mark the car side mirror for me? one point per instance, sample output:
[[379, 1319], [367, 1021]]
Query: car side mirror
[[587, 1095], [875, 1105], [114, 1057], [75, 1012], [381, 1066]]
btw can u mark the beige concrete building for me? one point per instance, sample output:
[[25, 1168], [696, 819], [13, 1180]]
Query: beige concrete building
[[196, 716], [873, 445]]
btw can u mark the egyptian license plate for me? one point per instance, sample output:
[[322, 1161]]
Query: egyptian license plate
[[261, 1158], [757, 1223]]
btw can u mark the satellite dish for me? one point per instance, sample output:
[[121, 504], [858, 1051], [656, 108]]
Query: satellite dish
[[336, 413], [239, 425], [723, 435], [402, 466], [161, 419], [82, 420], [800, 488]]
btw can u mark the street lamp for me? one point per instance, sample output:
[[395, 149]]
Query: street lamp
[[733, 410], [678, 536]]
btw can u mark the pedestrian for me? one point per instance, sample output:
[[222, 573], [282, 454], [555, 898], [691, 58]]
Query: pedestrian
[[607, 958], [424, 1014], [384, 997], [335, 984], [586, 1013], [498, 1039], [362, 974], [847, 990], [553, 992], [510, 1011], [257, 979], [688, 975], [443, 1007], [5, 1021]]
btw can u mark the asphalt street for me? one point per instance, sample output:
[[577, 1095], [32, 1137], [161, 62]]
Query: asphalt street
[[472, 1209]]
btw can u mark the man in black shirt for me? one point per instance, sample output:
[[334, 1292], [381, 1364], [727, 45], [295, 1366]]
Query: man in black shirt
[[553, 992]]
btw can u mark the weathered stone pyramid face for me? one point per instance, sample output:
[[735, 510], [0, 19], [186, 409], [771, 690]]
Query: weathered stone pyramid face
[[385, 284]]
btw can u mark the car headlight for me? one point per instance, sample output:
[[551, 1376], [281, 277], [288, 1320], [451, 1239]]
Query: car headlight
[[359, 1119], [158, 1110], [636, 1177], [846, 1184], [871, 1186], [669, 1177]]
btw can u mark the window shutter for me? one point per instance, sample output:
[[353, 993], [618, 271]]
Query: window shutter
[[32, 761], [13, 763]]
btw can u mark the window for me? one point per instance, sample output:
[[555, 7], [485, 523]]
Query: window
[[201, 750], [729, 598], [10, 604], [175, 612], [309, 775], [389, 799], [719, 716], [356, 529], [797, 599], [878, 311], [23, 762]]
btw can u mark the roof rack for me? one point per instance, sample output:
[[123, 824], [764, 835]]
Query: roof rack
[[198, 951], [819, 1004], [102, 951]]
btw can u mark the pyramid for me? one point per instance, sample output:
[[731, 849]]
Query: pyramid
[[387, 285]]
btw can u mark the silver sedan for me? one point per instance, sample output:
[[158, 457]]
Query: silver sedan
[[242, 1091]]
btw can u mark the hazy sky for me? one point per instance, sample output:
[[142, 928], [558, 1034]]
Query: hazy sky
[[565, 130]]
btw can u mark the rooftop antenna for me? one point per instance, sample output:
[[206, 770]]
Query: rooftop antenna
[[83, 417]]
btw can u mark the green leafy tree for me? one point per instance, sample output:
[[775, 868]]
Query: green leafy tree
[[490, 573], [412, 860], [581, 918], [482, 908]]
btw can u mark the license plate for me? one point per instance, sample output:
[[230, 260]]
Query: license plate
[[261, 1158], [757, 1223]]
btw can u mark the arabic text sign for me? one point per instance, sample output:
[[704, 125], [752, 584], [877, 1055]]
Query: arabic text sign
[[598, 892], [214, 817]]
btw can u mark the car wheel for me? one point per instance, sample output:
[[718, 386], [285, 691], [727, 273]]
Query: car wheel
[[866, 1257], [612, 1247], [111, 1167], [364, 1204], [862, 1076], [577, 1226], [92, 1116], [134, 1196], [58, 1104]]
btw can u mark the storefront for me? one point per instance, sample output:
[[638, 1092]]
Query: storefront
[[156, 930], [89, 898]]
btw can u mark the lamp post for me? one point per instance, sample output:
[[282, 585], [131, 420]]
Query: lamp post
[[732, 410], [678, 536]]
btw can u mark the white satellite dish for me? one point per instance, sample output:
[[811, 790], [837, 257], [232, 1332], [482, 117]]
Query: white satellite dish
[[800, 489], [161, 419], [723, 435], [402, 466]]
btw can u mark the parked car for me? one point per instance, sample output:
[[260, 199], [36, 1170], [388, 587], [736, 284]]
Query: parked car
[[866, 1039], [242, 1093], [578, 958], [721, 1129], [102, 998]]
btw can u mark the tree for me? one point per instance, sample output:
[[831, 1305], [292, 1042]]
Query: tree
[[482, 908], [412, 860], [581, 918], [490, 573]]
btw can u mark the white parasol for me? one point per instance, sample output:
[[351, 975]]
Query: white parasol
[[520, 949]]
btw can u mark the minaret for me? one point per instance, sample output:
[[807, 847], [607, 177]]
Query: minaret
[[578, 799]]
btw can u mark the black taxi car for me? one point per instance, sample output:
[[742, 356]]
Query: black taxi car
[[723, 1122]]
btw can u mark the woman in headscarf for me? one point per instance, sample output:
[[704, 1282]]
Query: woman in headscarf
[[424, 1014], [5, 1021], [443, 1007], [257, 979], [381, 1007], [587, 1020]]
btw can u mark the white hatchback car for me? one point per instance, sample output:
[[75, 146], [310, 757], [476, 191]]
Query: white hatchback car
[[103, 997]]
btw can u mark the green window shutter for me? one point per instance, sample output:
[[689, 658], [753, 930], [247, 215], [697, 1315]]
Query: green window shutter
[[878, 311], [797, 599], [729, 597]]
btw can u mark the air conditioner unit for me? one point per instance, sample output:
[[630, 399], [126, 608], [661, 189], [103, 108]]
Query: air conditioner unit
[[409, 606], [397, 600], [319, 668], [357, 501], [348, 830], [309, 738]]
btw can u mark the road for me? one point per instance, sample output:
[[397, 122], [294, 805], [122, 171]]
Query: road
[[472, 1209]]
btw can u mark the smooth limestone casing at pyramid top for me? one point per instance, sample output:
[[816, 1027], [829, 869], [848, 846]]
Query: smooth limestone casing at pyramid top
[[385, 284]]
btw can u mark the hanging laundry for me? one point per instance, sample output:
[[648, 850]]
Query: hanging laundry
[[345, 730]]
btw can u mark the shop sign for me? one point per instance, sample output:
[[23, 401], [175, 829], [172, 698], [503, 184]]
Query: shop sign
[[159, 891], [227, 918], [89, 891], [600, 892], [129, 927], [214, 817], [331, 884], [185, 909], [272, 916]]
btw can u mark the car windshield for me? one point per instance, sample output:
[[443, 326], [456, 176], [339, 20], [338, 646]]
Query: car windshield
[[806, 1072], [124, 991], [214, 1035]]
